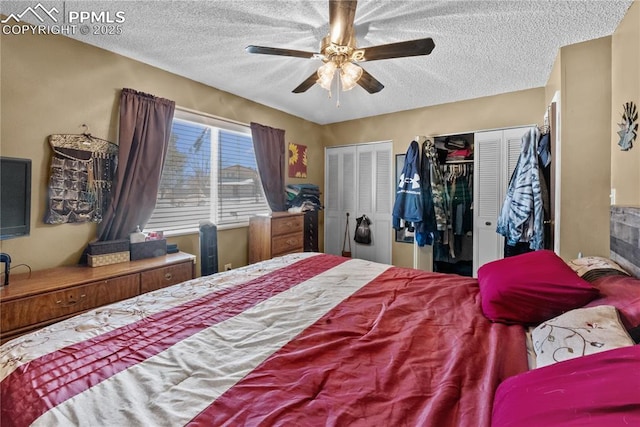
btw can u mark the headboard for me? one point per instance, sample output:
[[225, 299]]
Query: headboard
[[625, 237]]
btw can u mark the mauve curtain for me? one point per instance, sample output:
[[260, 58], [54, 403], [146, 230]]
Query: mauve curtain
[[268, 144], [145, 128]]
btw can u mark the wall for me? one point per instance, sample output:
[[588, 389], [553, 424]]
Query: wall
[[53, 84], [555, 81], [585, 168], [625, 87], [625, 165], [505, 110]]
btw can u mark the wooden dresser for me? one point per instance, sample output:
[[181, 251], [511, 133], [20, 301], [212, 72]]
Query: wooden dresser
[[33, 300], [273, 235]]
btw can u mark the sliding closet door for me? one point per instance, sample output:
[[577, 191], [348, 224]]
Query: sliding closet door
[[374, 195], [339, 185], [487, 244], [512, 140], [358, 180], [496, 156]]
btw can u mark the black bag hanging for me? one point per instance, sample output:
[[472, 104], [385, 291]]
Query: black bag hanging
[[363, 232], [346, 240]]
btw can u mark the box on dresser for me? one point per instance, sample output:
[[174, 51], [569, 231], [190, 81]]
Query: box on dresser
[[33, 300], [107, 259], [108, 247], [148, 249]]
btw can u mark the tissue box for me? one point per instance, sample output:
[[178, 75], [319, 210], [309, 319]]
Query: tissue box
[[148, 249], [107, 259], [108, 247]]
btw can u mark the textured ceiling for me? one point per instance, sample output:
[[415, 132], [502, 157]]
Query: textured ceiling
[[482, 47]]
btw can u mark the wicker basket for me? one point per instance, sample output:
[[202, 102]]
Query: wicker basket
[[107, 259]]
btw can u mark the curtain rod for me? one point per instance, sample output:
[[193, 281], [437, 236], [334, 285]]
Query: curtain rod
[[190, 110]]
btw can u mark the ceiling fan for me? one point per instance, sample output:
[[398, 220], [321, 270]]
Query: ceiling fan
[[340, 55]]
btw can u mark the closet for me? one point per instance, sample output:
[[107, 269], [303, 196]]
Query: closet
[[476, 169], [496, 154], [453, 249], [358, 180]]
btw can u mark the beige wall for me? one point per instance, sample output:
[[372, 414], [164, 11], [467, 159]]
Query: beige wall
[[625, 87], [585, 151], [555, 81], [506, 110], [53, 84]]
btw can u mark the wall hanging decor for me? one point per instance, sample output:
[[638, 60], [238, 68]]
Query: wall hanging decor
[[629, 127], [81, 173], [297, 160]]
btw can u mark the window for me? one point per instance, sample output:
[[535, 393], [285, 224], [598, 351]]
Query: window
[[209, 174]]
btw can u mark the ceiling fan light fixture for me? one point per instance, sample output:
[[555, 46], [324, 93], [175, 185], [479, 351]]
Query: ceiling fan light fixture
[[339, 52], [325, 74], [349, 75]]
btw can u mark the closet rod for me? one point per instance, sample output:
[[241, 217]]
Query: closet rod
[[453, 162]]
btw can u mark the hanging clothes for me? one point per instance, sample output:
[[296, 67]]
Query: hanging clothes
[[460, 188], [426, 230], [522, 218], [544, 161], [544, 150], [438, 189], [408, 205]]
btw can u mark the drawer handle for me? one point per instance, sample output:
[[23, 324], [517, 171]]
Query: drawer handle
[[71, 301], [292, 242], [168, 276]]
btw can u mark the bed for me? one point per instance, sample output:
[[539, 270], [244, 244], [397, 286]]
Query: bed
[[307, 339]]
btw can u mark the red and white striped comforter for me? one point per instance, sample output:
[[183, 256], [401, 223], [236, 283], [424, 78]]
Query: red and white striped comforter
[[306, 339]]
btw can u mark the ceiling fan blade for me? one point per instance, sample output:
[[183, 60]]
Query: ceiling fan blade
[[278, 51], [305, 85], [399, 50], [341, 16], [369, 83]]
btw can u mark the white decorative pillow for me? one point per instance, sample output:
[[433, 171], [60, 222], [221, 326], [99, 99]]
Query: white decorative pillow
[[578, 333], [531, 354], [593, 267]]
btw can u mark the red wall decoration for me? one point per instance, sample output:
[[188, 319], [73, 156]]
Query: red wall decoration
[[297, 160]]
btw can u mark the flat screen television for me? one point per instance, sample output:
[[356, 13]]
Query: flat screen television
[[15, 197]]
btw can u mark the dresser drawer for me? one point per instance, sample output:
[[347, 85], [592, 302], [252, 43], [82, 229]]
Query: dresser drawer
[[15, 314], [287, 244], [167, 276], [286, 225]]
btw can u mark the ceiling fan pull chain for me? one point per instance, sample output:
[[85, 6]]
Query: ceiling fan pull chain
[[330, 90]]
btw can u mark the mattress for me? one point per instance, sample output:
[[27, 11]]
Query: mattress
[[304, 339]]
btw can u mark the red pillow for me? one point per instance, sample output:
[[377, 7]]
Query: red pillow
[[596, 390], [622, 292], [531, 288]]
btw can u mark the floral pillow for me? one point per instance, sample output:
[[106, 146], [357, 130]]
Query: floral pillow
[[579, 332], [591, 268]]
